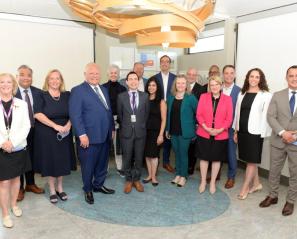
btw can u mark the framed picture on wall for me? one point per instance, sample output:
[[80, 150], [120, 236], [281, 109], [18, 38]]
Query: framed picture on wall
[[122, 57], [148, 58]]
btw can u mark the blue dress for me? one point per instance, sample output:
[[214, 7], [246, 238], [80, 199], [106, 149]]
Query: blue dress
[[53, 157]]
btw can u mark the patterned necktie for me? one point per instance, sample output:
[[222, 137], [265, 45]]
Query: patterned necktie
[[292, 102], [133, 101], [100, 97], [27, 99]]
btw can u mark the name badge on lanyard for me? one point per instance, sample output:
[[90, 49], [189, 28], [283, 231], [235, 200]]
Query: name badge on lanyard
[[7, 116], [133, 118]]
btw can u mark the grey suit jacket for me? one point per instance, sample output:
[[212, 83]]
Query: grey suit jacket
[[125, 111], [280, 118]]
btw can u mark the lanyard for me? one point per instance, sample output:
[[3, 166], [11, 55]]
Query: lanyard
[[7, 115]]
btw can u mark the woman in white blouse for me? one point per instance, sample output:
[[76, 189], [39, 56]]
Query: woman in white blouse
[[14, 159], [251, 127]]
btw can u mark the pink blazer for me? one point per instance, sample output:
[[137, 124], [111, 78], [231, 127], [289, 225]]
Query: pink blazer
[[223, 117]]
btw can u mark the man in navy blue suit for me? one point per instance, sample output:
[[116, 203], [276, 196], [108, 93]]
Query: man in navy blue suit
[[229, 88], [30, 94], [91, 116], [166, 79]]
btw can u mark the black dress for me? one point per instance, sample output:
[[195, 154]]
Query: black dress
[[12, 164], [249, 145], [152, 150], [211, 149], [53, 157]]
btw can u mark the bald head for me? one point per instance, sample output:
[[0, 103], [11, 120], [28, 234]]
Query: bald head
[[92, 73], [192, 75]]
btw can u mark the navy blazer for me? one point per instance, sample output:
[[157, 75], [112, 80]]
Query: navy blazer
[[35, 94], [234, 95], [171, 78], [88, 114]]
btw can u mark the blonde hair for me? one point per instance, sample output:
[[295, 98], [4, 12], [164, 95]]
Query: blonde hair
[[173, 88], [14, 82], [216, 79], [45, 85]]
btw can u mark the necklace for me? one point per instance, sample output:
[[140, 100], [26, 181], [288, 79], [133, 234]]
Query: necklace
[[56, 98]]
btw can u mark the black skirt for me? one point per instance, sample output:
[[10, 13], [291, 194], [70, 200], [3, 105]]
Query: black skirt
[[211, 149], [250, 147], [14, 164], [152, 150]]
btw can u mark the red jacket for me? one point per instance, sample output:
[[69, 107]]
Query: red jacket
[[223, 117]]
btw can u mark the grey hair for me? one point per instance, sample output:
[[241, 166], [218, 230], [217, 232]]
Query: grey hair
[[25, 67], [114, 66]]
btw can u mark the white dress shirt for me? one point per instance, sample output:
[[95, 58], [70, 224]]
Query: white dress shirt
[[192, 85], [227, 90], [24, 95], [165, 78], [141, 85]]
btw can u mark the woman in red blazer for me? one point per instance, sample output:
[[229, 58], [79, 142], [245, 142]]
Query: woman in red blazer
[[214, 116]]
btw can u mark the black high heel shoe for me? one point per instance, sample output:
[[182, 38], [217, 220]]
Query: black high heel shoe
[[145, 181]]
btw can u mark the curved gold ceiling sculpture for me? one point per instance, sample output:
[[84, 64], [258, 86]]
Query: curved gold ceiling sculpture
[[152, 22]]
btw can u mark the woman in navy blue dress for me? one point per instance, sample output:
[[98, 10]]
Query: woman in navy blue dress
[[54, 151]]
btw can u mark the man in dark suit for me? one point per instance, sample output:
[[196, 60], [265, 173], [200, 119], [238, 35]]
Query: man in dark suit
[[229, 88], [196, 90], [92, 120], [133, 112], [282, 117], [165, 79], [30, 94]]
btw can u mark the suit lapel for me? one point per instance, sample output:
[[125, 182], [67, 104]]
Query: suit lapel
[[127, 102]]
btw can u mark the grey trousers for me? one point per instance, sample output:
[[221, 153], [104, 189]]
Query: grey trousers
[[277, 160]]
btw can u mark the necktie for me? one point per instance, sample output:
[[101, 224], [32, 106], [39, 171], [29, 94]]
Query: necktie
[[27, 99], [100, 97], [292, 102], [133, 101]]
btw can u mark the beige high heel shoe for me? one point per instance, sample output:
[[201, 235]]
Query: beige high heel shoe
[[7, 222], [182, 182], [202, 188], [17, 211], [176, 180], [259, 187]]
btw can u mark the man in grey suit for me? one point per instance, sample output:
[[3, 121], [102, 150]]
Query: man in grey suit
[[282, 117], [133, 111]]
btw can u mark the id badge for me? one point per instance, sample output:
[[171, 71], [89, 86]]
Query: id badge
[[133, 118]]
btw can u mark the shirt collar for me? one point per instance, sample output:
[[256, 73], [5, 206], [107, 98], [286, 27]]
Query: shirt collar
[[228, 88], [22, 89]]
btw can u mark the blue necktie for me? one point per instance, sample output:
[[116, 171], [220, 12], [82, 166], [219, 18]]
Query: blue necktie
[[133, 101], [292, 102], [100, 97]]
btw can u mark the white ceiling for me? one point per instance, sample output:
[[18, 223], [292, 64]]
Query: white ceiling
[[58, 9]]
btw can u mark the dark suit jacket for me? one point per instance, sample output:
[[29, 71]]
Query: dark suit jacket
[[198, 90], [88, 114], [171, 78], [36, 93], [234, 95], [125, 111]]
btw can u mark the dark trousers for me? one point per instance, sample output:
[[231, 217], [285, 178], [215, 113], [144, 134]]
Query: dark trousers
[[133, 150], [232, 160], [192, 157], [166, 151], [30, 174], [94, 163]]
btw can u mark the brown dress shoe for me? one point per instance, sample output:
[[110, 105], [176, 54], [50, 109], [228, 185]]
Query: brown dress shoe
[[128, 187], [230, 183], [34, 189], [138, 186], [288, 209], [169, 168], [21, 195], [268, 201]]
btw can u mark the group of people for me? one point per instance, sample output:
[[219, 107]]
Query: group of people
[[138, 116]]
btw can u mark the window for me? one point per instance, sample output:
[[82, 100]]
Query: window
[[209, 40]]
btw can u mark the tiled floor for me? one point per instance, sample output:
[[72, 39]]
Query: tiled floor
[[242, 219]]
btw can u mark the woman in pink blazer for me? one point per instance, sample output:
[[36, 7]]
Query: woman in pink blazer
[[214, 116]]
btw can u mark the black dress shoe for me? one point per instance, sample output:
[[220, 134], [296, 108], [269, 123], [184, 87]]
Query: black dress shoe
[[104, 190], [89, 198], [155, 184]]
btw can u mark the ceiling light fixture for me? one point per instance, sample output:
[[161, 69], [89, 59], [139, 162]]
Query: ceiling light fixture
[[174, 23]]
